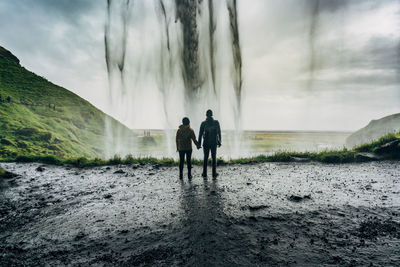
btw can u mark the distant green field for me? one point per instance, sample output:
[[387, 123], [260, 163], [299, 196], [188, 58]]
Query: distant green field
[[294, 141]]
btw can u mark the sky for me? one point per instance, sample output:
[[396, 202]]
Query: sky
[[354, 46]]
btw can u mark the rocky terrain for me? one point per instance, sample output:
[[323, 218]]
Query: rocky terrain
[[143, 215]]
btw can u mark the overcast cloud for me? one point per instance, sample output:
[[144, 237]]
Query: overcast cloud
[[356, 45]]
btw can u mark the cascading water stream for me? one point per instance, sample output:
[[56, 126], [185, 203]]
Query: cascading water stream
[[237, 77], [184, 62], [315, 5]]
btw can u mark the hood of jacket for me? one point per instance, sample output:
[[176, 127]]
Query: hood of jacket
[[184, 127]]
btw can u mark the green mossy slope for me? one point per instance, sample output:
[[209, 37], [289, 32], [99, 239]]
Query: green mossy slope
[[38, 117]]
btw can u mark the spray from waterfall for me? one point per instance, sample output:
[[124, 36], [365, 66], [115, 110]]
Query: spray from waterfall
[[237, 77], [115, 43], [179, 64], [212, 26], [315, 7], [165, 73], [118, 60], [186, 13], [125, 21], [107, 40], [166, 23]]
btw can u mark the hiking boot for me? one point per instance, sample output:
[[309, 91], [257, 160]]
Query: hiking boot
[[190, 176], [215, 175], [181, 176], [204, 175]]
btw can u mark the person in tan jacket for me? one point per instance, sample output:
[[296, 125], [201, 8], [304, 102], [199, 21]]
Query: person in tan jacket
[[184, 137]]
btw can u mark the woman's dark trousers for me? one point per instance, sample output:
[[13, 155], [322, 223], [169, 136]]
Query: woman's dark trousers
[[188, 154]]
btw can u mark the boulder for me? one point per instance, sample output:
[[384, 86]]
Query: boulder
[[295, 198], [40, 169], [366, 156], [299, 159], [389, 148]]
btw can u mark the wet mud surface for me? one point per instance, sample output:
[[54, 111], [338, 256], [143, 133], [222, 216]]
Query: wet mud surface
[[264, 214]]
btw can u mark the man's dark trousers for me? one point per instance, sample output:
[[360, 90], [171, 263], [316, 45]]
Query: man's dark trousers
[[207, 150]]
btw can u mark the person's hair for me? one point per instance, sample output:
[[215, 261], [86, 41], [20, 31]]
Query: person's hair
[[185, 121], [209, 113]]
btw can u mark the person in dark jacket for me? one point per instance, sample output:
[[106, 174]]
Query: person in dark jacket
[[184, 137], [210, 131]]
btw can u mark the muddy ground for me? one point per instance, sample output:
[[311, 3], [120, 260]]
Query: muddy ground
[[264, 214]]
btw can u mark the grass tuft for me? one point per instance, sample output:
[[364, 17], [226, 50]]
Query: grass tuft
[[372, 146]]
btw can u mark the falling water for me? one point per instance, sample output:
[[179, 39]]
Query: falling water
[[212, 26], [237, 78], [182, 58], [115, 43], [186, 13], [237, 55], [315, 5], [165, 70]]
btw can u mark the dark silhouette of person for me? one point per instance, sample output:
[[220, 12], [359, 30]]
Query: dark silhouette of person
[[211, 133], [184, 137]]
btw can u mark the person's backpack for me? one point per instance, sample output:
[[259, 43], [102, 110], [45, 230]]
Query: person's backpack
[[211, 133]]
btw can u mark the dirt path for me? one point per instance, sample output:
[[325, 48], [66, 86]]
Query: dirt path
[[263, 214]]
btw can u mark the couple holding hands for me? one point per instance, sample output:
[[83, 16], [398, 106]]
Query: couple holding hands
[[210, 132]]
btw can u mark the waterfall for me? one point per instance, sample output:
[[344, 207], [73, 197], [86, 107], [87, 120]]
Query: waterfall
[[171, 52], [314, 5]]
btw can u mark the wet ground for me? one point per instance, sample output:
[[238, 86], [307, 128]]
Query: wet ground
[[264, 214]]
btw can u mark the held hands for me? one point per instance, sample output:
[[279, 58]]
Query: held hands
[[198, 146]]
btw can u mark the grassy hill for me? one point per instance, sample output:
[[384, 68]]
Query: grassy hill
[[38, 117], [374, 130]]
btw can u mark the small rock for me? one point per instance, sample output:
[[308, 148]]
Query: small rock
[[366, 156], [298, 159], [391, 147], [40, 169], [107, 196], [156, 166], [299, 198], [259, 207], [79, 236], [253, 218], [119, 171]]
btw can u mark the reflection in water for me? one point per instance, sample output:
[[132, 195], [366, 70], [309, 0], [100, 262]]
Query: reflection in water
[[209, 235]]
